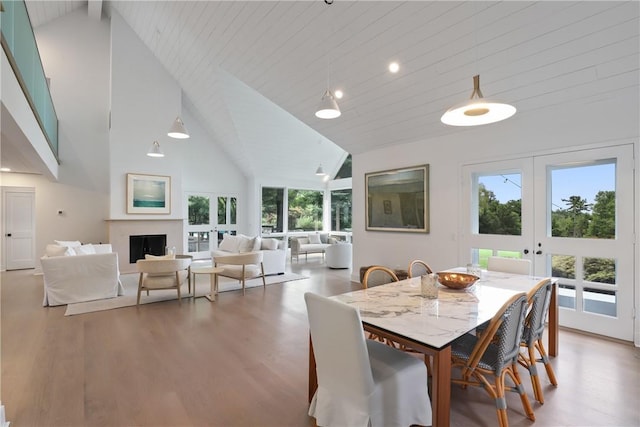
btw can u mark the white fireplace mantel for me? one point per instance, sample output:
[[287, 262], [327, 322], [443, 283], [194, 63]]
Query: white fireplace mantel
[[121, 229]]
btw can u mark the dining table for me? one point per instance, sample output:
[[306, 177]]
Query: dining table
[[397, 311]]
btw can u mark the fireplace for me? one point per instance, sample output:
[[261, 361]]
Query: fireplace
[[152, 244]]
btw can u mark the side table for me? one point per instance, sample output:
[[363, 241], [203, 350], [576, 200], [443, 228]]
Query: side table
[[213, 277]]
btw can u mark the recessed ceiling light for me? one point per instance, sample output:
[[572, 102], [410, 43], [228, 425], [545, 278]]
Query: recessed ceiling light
[[338, 94], [5, 169], [394, 67]]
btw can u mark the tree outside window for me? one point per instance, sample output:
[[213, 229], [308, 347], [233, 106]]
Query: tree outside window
[[305, 210]]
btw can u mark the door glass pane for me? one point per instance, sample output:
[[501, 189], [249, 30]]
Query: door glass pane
[[599, 270], [499, 204], [305, 210], [272, 210], [222, 210], [198, 241], [198, 210], [564, 267], [598, 300], [341, 210], [583, 201]]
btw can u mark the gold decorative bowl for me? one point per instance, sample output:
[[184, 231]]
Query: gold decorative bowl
[[457, 280]]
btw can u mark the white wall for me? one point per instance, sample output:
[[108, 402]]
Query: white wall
[[145, 101], [609, 121], [75, 55]]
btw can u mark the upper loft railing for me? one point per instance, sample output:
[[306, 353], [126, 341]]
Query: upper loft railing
[[19, 44]]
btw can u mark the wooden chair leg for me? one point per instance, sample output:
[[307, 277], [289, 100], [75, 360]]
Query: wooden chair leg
[[533, 373], [515, 376], [545, 359], [139, 289]]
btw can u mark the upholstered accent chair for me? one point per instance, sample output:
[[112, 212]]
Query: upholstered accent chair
[[242, 266], [156, 274]]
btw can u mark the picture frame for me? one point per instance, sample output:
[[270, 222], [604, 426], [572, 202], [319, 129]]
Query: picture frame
[[148, 194], [398, 200]]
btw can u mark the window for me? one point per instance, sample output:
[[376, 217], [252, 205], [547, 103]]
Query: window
[[499, 204], [305, 210], [341, 210], [272, 210]]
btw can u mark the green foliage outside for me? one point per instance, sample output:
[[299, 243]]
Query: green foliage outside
[[579, 219], [272, 201], [305, 210], [198, 210], [341, 210]]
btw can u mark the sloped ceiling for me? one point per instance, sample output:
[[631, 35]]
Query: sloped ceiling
[[254, 71]]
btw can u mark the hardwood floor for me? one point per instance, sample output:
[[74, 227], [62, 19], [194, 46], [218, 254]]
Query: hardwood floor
[[242, 361]]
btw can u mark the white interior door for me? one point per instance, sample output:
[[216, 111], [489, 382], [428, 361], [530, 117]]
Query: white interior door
[[19, 228], [572, 215]]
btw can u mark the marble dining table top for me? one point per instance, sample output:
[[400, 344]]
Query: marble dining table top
[[398, 307]]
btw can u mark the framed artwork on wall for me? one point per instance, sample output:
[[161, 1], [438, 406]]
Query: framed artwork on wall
[[398, 200], [148, 194]]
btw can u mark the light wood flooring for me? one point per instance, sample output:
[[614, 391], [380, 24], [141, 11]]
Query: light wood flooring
[[242, 361]]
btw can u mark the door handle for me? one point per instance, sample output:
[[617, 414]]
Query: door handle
[[538, 252], [526, 251], [8, 234]]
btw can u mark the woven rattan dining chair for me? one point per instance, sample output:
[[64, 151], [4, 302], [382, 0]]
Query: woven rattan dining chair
[[495, 354], [378, 275], [539, 300], [375, 276], [419, 268]]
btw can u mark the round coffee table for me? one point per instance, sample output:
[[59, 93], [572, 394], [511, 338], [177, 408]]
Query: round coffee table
[[213, 276]]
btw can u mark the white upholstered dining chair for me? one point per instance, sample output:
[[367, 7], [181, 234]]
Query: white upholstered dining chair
[[361, 382], [509, 265]]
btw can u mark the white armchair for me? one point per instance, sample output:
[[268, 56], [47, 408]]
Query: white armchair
[[339, 255]]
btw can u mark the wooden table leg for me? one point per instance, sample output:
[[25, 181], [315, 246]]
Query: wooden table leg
[[313, 376], [441, 387], [553, 322]]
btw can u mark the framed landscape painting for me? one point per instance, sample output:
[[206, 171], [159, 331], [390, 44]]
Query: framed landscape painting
[[398, 200], [148, 194]]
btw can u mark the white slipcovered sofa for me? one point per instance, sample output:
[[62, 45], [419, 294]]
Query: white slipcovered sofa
[[274, 251], [75, 273], [314, 243]]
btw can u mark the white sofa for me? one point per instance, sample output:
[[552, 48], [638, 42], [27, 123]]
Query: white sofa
[[80, 274], [274, 251], [314, 243]]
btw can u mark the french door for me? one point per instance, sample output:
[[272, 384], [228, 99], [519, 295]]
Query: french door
[[210, 217], [571, 214], [19, 227]]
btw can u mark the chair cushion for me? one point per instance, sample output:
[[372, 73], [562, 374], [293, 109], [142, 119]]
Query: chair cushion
[[269, 244], [235, 271]]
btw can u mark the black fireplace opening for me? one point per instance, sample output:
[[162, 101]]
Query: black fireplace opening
[[152, 244]]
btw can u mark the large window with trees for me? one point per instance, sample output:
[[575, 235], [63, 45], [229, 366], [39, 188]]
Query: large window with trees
[[305, 211], [272, 210], [341, 210]]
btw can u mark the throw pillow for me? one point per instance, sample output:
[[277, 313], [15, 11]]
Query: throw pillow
[[57, 250], [149, 256], [103, 248], [257, 243], [85, 249], [324, 237], [68, 243], [246, 244], [269, 244], [314, 239], [229, 243]]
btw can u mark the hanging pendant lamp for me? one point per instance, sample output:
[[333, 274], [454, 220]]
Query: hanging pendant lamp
[[328, 107], [477, 110], [178, 130], [320, 171], [155, 150]]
